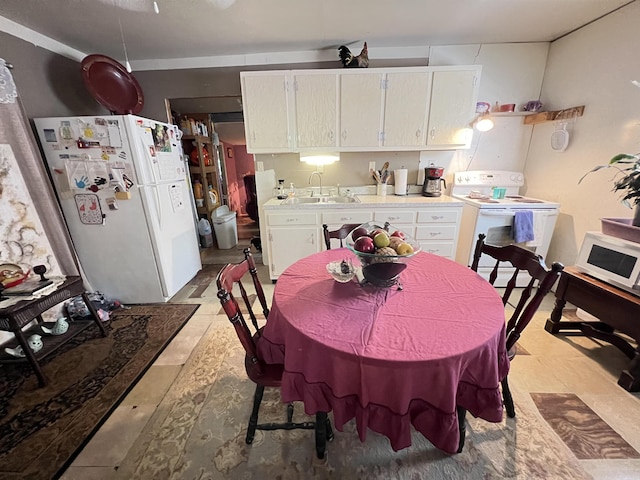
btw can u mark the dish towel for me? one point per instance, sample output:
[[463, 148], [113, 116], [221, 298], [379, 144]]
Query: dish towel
[[523, 226], [539, 224]]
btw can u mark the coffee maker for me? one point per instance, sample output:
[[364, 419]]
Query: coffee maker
[[432, 179]]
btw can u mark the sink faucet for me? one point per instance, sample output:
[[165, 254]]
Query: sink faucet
[[319, 178]]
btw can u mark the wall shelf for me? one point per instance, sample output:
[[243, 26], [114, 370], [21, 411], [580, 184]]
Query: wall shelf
[[555, 115]]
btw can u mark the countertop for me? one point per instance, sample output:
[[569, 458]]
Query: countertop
[[368, 201]]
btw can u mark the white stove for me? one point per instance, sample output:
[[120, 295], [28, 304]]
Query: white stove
[[482, 213]]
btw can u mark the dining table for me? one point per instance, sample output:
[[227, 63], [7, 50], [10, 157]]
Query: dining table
[[393, 359]]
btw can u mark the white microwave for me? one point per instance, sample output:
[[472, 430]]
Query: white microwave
[[612, 260]]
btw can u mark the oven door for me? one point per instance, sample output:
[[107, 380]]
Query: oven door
[[497, 225]]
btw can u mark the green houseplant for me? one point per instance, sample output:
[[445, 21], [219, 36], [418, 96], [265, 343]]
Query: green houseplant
[[627, 180]]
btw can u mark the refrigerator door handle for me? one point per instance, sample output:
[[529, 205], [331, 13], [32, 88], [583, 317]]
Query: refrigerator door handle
[[150, 160]]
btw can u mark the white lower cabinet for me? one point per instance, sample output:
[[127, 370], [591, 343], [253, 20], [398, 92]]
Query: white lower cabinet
[[437, 230], [295, 234], [292, 235]]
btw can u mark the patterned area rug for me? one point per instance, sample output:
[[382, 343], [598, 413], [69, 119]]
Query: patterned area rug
[[42, 428], [199, 428], [588, 436]]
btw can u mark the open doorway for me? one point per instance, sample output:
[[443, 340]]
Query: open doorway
[[226, 116]]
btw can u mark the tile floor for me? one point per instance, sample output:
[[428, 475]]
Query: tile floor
[[559, 364]]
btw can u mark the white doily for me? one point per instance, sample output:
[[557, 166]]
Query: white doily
[[8, 92]]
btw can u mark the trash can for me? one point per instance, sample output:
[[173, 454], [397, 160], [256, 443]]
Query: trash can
[[225, 227]]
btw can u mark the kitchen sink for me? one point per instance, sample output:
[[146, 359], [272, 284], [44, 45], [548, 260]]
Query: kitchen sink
[[319, 200]]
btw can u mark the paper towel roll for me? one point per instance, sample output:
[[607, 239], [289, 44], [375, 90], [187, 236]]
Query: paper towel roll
[[400, 179]]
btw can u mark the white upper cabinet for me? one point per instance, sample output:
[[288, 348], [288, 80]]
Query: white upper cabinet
[[452, 109], [409, 108], [266, 111], [361, 97], [315, 103], [406, 106]]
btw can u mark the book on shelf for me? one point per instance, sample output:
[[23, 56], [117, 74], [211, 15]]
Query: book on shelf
[[29, 287]]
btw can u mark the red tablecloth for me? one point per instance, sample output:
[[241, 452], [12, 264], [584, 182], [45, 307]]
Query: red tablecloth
[[390, 358]]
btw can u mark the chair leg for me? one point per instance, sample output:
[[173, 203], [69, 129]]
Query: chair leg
[[321, 434], [462, 426], [253, 420], [508, 399], [329, 430]]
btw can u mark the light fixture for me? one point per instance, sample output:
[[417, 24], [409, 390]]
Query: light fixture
[[483, 122], [124, 46], [319, 158]]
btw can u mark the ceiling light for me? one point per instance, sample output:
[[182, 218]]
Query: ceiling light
[[319, 158]]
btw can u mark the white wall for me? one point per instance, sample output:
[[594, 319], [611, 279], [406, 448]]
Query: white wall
[[593, 67], [511, 73]]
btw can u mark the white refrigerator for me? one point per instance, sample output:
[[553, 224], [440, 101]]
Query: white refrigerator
[[122, 184]]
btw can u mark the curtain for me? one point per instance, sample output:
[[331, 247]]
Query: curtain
[[16, 132]]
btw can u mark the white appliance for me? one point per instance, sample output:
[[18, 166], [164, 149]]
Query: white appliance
[[494, 217], [612, 260], [122, 184]]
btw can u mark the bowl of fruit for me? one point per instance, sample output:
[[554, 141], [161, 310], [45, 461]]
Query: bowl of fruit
[[383, 251]]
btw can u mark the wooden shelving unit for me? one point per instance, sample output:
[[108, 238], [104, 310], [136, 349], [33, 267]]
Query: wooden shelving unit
[[205, 171], [554, 116]]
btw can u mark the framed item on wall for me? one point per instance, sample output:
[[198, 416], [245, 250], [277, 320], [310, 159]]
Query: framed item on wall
[[229, 152]]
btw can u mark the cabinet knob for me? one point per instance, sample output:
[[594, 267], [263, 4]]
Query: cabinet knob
[[418, 133], [344, 134], [331, 135], [432, 133]]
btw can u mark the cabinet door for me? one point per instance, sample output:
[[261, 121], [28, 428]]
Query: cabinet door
[[360, 109], [288, 245], [406, 107], [452, 109], [315, 102], [265, 109]]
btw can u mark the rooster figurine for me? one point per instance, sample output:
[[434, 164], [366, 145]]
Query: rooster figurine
[[349, 61]]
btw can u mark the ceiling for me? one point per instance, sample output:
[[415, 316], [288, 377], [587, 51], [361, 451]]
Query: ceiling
[[210, 33], [191, 33]]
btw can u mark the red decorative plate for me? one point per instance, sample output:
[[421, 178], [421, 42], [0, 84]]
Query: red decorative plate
[[111, 85]]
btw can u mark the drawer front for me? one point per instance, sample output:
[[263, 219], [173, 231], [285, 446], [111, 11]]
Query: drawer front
[[435, 232], [395, 217], [444, 249], [439, 216], [346, 216], [294, 218]]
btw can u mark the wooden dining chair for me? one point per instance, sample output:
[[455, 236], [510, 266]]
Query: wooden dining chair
[[527, 302], [259, 372], [339, 234]]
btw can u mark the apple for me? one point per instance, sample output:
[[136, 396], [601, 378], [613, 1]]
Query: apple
[[376, 231], [381, 240], [395, 241], [404, 249], [398, 234], [359, 232], [364, 245]]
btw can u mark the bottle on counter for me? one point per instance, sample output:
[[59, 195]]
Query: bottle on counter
[[292, 190]]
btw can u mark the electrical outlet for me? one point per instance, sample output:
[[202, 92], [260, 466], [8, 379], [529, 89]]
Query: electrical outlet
[[372, 166]]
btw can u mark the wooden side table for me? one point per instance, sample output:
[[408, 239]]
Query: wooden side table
[[15, 317], [617, 310]]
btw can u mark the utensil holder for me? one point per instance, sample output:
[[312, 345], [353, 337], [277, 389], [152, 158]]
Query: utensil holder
[[381, 189]]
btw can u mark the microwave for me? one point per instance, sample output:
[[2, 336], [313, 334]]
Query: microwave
[[612, 260]]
